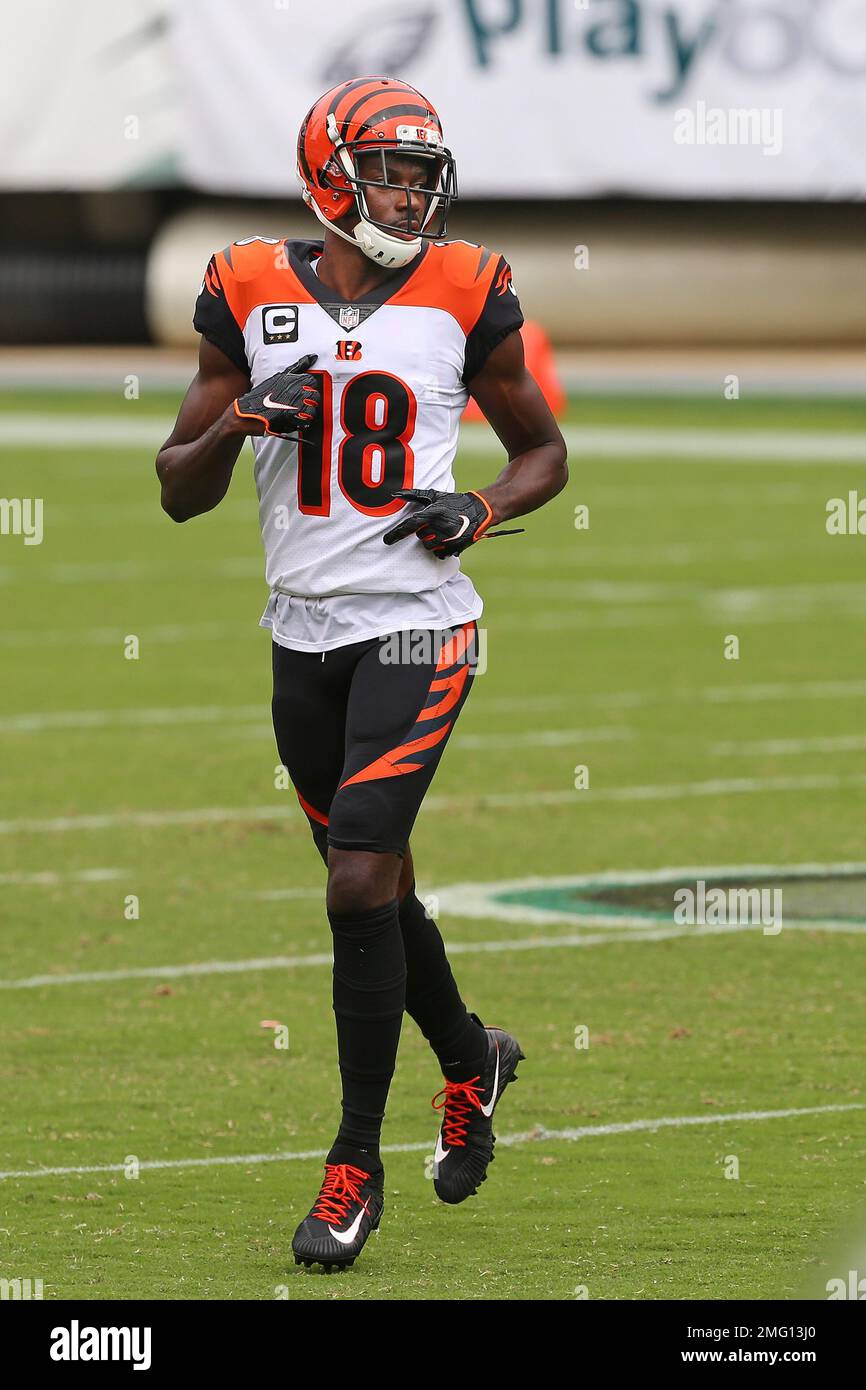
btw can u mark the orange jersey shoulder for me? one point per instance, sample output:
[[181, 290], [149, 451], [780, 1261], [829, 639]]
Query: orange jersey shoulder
[[255, 271], [457, 276]]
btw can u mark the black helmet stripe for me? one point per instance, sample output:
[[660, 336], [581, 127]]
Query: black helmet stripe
[[302, 153], [344, 91], [391, 111], [386, 94]]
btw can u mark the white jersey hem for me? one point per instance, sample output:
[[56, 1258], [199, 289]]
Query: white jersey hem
[[381, 628]]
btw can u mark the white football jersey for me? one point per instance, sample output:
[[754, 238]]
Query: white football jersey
[[393, 369]]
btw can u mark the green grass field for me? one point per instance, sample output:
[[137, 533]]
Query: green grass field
[[605, 648]]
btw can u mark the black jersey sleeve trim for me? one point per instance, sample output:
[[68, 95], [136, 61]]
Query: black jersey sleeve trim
[[214, 320], [500, 316]]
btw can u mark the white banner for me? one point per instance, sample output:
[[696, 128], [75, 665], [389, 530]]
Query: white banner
[[87, 96], [557, 98], [551, 98]]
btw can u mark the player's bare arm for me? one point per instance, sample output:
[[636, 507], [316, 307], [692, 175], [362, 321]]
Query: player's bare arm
[[513, 403], [196, 462], [219, 411]]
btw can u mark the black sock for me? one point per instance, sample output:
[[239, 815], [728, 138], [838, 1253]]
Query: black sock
[[433, 999], [369, 999]]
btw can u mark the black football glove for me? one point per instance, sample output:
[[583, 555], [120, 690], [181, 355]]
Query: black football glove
[[448, 522], [286, 402]]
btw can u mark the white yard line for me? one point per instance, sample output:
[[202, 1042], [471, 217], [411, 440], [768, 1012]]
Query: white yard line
[[781, 747], [112, 572], [128, 432], [776, 598], [618, 931], [732, 786], [543, 738], [49, 879], [561, 619], [279, 895], [530, 738], [215, 815], [162, 715], [204, 815], [114, 637], [537, 1135], [784, 690]]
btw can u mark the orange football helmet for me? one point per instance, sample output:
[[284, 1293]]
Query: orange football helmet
[[374, 115]]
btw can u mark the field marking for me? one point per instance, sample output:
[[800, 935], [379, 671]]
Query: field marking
[[115, 432], [676, 553], [493, 801], [638, 620], [75, 431], [556, 621], [478, 900], [112, 636], [48, 879], [538, 1135], [472, 899], [159, 715], [615, 699], [841, 743], [544, 738], [279, 895], [162, 715], [611, 936], [112, 572], [777, 602], [528, 738], [783, 690], [625, 591], [731, 786]]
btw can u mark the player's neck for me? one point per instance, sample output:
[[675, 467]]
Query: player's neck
[[346, 270]]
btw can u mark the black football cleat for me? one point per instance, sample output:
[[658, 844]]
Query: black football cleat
[[348, 1207], [464, 1145]]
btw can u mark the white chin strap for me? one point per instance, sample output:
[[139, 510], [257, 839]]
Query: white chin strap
[[385, 250]]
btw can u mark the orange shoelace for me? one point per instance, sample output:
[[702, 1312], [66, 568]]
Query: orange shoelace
[[341, 1187], [459, 1099]]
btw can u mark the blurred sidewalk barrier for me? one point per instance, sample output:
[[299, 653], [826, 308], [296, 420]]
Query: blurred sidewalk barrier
[[617, 275], [541, 362]]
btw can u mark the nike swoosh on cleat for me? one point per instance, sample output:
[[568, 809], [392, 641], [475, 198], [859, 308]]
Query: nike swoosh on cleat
[[488, 1109], [440, 1154], [346, 1237]]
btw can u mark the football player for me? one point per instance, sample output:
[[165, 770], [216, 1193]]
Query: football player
[[349, 360]]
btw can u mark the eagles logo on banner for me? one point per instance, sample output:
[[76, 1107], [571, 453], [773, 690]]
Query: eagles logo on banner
[[349, 317], [691, 98]]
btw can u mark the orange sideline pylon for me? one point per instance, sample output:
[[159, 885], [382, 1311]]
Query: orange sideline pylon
[[541, 363]]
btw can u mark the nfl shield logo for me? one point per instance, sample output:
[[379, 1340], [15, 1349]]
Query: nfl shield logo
[[349, 317]]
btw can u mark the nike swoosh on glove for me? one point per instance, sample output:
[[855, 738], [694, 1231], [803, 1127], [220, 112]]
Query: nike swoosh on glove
[[448, 522], [286, 402]]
